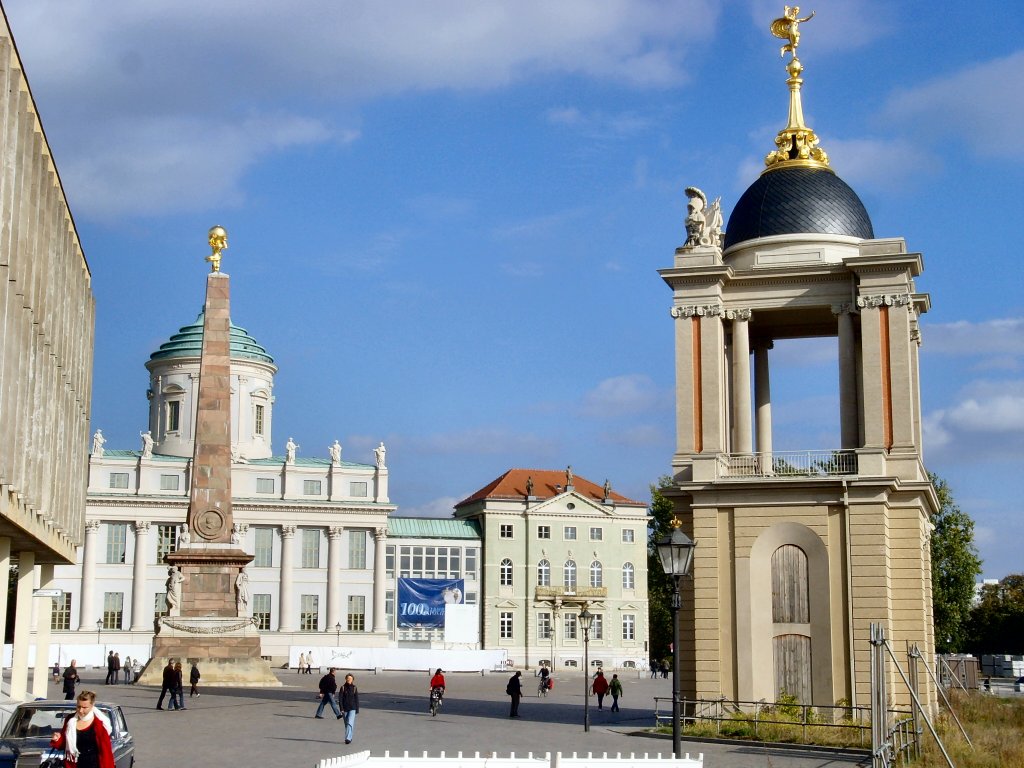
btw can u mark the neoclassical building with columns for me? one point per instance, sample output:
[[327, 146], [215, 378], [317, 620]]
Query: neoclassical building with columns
[[317, 526]]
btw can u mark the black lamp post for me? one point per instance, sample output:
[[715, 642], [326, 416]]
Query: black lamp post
[[675, 550], [586, 618], [337, 629], [99, 628]]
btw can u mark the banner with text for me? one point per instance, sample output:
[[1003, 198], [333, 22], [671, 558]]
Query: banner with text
[[421, 602]]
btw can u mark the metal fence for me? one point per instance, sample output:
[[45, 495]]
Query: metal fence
[[788, 464]]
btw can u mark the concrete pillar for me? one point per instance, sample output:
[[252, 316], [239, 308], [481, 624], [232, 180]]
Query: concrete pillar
[[742, 439], [380, 538], [763, 399], [44, 613], [22, 625], [849, 421], [90, 550], [5, 572], [334, 576], [286, 620], [141, 619]]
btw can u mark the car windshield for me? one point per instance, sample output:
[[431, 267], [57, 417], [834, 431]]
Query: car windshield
[[29, 721]]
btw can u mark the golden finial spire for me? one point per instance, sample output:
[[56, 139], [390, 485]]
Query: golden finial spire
[[797, 145], [218, 242]]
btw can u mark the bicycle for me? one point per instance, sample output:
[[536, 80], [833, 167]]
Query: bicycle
[[435, 701], [543, 687]]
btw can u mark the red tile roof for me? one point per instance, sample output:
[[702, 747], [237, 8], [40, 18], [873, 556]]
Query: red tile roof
[[546, 484]]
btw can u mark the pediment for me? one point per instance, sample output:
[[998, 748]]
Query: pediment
[[559, 505]]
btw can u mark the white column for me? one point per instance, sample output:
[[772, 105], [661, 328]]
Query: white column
[[334, 576], [741, 381], [22, 625], [848, 418], [90, 549], [286, 618], [5, 571], [139, 614], [380, 538], [44, 612], [763, 399]]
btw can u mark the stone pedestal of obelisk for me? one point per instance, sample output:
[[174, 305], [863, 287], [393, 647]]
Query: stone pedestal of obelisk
[[208, 592]]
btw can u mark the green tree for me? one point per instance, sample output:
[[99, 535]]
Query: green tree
[[955, 568], [997, 621], [659, 586]]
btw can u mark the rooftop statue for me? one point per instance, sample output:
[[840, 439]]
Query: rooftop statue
[[703, 221], [218, 240], [788, 28]]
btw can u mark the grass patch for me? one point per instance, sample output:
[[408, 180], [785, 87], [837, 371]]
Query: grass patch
[[995, 725]]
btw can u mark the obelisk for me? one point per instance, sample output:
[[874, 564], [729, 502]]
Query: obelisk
[[207, 588]]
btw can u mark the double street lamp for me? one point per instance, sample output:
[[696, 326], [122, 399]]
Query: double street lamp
[[586, 618], [675, 550]]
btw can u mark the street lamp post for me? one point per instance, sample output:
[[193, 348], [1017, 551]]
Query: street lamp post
[[99, 628], [337, 629], [586, 618], [675, 551]]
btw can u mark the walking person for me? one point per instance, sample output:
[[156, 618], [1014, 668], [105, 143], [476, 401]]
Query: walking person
[[127, 669], [117, 669], [110, 668], [600, 688], [309, 662], [193, 679], [85, 736], [615, 689], [655, 666], [178, 689], [350, 706], [515, 690], [166, 684], [328, 688], [70, 679], [56, 671], [302, 664]]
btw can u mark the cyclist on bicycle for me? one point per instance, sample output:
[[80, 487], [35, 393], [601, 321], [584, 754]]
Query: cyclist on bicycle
[[437, 682], [545, 680]]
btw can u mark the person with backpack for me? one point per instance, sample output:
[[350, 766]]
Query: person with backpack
[[615, 689], [515, 690]]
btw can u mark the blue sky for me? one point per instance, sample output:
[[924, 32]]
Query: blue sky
[[446, 218]]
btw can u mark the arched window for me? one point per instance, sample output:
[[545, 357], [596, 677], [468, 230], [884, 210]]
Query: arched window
[[596, 574], [790, 600], [543, 574], [506, 572], [628, 576], [570, 573]]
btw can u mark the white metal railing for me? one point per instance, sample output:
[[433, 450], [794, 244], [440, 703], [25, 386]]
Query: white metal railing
[[529, 760], [788, 464]]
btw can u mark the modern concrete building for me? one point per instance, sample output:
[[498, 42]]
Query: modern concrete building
[[554, 544], [798, 552], [46, 347]]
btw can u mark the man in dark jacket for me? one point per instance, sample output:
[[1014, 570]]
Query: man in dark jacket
[[167, 684], [515, 690], [328, 687], [70, 678], [110, 668]]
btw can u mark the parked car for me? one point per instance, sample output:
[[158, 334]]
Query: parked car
[[26, 738]]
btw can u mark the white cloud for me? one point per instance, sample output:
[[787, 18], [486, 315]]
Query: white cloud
[[986, 421], [999, 338], [880, 163], [624, 395]]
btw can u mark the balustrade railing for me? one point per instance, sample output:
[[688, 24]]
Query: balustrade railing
[[788, 464]]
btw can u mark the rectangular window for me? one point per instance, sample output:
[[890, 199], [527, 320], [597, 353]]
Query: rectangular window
[[173, 415], [310, 487], [543, 531], [357, 549], [118, 479], [264, 554], [117, 535], [356, 613], [310, 547], [113, 609], [264, 485], [389, 561], [627, 535], [543, 626], [170, 482], [358, 490], [389, 609], [261, 611], [628, 626], [471, 598], [569, 533], [506, 531], [159, 605], [569, 626], [597, 627], [166, 541], [309, 613], [60, 617], [259, 419], [505, 625], [417, 562], [596, 534], [471, 555]]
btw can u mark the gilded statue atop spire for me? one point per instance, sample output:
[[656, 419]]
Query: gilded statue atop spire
[[796, 144], [218, 242]]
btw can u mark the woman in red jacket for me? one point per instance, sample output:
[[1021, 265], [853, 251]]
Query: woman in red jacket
[[85, 737]]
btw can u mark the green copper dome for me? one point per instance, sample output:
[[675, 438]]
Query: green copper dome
[[188, 342]]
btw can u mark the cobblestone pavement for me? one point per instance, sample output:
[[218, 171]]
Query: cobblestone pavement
[[230, 727]]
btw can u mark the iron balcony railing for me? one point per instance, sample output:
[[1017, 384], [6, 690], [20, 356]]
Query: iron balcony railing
[[587, 593], [788, 464]]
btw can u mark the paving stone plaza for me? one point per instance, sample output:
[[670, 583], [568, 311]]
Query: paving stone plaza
[[228, 727]]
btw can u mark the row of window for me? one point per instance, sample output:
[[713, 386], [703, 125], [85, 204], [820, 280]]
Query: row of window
[[506, 623], [309, 611], [425, 562], [167, 542], [506, 570], [173, 422], [507, 531], [356, 488]]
